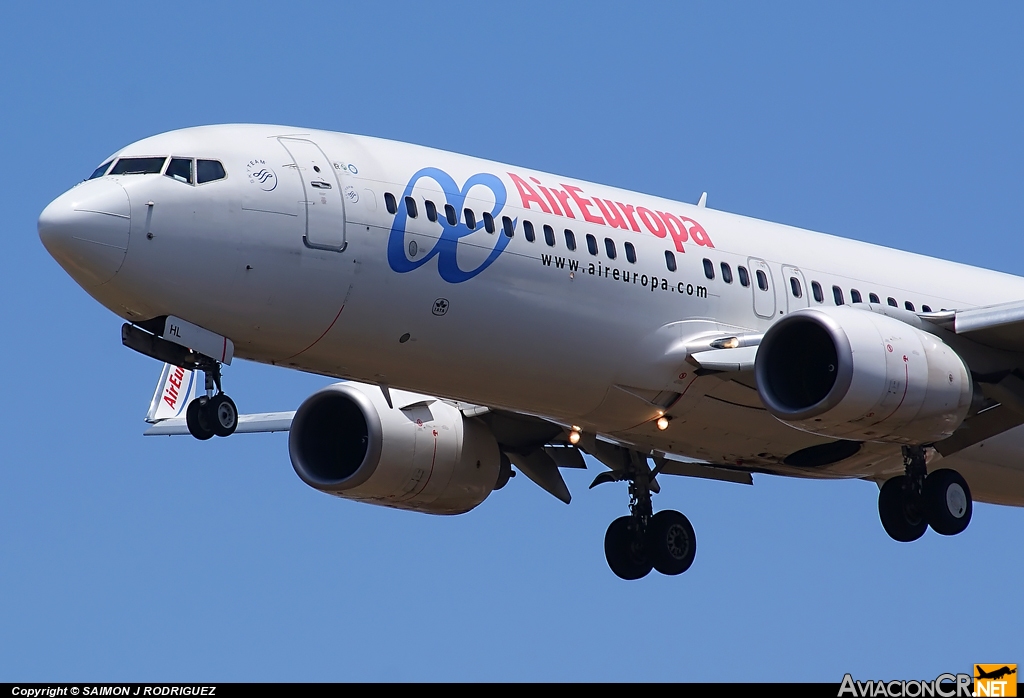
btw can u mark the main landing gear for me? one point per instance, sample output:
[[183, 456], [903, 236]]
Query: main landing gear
[[908, 504], [213, 414], [635, 544]]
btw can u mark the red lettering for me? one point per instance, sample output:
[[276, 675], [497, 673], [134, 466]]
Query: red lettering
[[564, 198], [547, 195], [611, 215], [697, 232], [527, 194], [169, 401], [652, 222], [628, 210], [675, 228], [173, 392], [175, 381], [584, 205]]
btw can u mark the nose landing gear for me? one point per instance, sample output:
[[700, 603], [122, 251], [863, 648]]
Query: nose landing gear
[[642, 541], [908, 504], [213, 414]]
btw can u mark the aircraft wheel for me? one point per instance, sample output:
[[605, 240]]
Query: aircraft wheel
[[898, 520], [222, 415], [947, 501], [624, 550], [671, 542], [197, 420]]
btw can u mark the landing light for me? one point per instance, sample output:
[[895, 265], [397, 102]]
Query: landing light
[[574, 436], [662, 423], [728, 343]]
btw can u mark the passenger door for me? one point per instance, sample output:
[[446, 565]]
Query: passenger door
[[322, 201]]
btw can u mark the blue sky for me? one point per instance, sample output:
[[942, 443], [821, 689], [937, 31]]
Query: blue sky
[[124, 558]]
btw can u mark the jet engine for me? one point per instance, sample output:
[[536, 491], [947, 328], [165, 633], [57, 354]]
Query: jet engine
[[421, 454], [855, 374]]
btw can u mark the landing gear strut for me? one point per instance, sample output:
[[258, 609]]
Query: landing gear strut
[[635, 544], [909, 503], [213, 414]]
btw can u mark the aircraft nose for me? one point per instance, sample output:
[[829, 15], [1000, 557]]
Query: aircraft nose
[[86, 230]]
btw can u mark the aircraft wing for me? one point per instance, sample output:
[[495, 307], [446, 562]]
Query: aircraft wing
[[997, 326], [177, 387], [263, 422]]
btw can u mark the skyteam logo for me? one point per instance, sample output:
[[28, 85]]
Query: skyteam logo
[[446, 247]]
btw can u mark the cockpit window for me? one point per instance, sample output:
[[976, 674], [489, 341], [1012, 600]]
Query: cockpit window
[[101, 170], [180, 169], [138, 166], [209, 170]]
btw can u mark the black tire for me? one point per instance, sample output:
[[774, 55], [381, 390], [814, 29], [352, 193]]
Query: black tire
[[671, 542], [196, 420], [947, 502], [222, 415], [898, 520], [624, 550]]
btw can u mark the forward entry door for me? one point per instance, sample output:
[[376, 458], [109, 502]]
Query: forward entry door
[[762, 287], [322, 200]]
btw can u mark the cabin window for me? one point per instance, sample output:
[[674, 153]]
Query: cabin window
[[926, 308], [726, 273], [816, 292], [101, 170], [670, 260], [390, 203], [549, 235], [855, 296], [410, 207], [451, 215], [529, 232], [630, 252], [180, 169], [508, 226], [488, 222], [709, 269], [837, 295], [470, 218], [892, 301], [127, 166], [744, 276], [794, 286], [909, 306], [762, 280], [431, 211], [209, 171], [609, 248], [873, 297], [570, 240], [591, 244]]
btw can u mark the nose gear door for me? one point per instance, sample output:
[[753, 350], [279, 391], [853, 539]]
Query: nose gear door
[[322, 198]]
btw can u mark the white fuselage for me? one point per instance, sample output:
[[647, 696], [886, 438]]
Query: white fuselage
[[296, 257]]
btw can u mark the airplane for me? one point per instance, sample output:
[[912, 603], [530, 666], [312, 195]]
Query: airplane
[[995, 674], [481, 316]]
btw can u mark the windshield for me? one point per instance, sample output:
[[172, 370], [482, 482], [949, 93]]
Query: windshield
[[138, 166], [99, 171]]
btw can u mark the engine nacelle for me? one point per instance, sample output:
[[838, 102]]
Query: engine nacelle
[[855, 374], [422, 454]]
